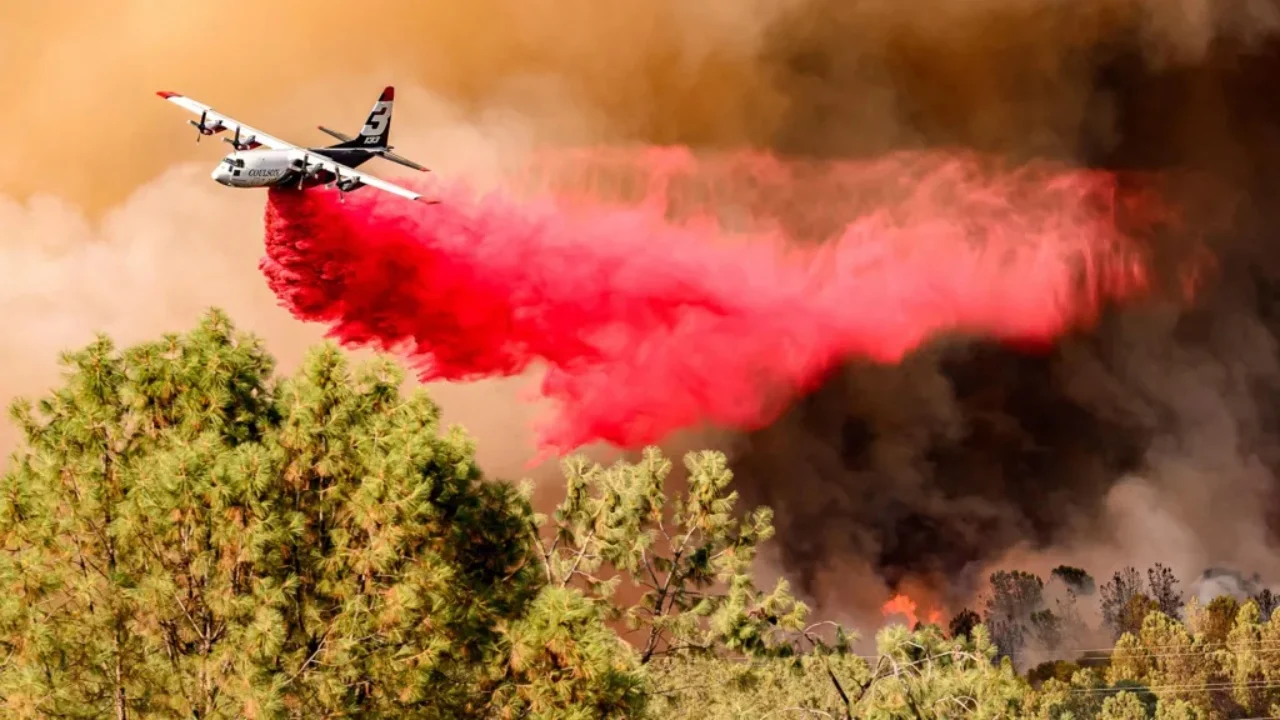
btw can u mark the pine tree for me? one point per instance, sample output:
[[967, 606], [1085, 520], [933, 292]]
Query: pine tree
[[187, 535], [923, 674], [689, 557], [1124, 705], [1010, 608], [1121, 601], [1162, 582]]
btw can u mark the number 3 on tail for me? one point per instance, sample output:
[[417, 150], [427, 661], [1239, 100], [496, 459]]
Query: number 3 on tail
[[377, 123]]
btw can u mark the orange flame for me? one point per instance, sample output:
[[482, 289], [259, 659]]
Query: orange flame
[[901, 604]]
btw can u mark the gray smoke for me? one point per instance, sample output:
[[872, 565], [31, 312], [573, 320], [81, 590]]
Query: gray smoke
[[1152, 439]]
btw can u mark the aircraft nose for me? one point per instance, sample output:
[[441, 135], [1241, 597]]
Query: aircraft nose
[[220, 175]]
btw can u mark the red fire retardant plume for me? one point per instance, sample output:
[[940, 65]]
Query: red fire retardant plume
[[646, 326]]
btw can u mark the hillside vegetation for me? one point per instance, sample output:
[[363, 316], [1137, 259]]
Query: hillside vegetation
[[189, 534]]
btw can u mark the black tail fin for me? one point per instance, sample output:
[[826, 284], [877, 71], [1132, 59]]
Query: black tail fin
[[377, 128]]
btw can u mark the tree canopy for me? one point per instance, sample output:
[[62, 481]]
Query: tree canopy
[[188, 533]]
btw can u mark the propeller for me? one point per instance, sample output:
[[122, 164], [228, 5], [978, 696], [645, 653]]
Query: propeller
[[239, 144], [303, 173], [344, 185], [203, 114]]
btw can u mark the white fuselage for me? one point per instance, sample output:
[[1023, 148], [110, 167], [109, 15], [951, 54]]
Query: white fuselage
[[257, 168]]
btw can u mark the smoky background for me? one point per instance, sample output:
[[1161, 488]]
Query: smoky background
[[1153, 438]]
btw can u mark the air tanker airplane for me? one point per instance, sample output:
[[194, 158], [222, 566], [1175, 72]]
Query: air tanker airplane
[[284, 164]]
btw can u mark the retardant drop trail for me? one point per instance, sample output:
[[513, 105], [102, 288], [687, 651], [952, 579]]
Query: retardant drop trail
[[647, 327]]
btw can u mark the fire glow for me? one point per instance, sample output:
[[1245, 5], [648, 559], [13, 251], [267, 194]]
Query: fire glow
[[904, 606]]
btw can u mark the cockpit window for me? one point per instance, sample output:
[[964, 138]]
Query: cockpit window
[[239, 163]]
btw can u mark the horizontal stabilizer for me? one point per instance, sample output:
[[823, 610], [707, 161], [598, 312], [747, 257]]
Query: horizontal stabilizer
[[334, 133], [402, 160]]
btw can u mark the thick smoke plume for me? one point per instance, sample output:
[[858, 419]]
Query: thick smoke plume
[[1152, 439], [650, 327]]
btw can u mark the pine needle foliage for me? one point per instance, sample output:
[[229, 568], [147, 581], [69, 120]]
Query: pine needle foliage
[[185, 534]]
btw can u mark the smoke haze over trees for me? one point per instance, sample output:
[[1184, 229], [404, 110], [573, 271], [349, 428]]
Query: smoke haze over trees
[[1124, 447]]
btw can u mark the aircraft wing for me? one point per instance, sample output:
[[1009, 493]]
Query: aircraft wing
[[213, 118], [344, 172]]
